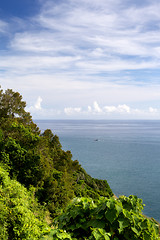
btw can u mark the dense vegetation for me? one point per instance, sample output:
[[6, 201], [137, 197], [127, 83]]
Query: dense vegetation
[[111, 218], [38, 180], [21, 217]]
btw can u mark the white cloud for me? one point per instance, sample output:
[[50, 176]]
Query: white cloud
[[110, 109], [36, 107], [85, 28], [114, 109], [89, 109], [71, 110], [37, 112], [90, 36], [153, 110], [120, 111], [123, 108], [100, 26], [96, 107], [38, 103], [39, 42]]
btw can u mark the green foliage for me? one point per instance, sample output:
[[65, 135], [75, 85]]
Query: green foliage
[[108, 219], [1, 134], [132, 202], [86, 186], [20, 215], [12, 108], [99, 234], [24, 135], [57, 234], [23, 164], [11, 104]]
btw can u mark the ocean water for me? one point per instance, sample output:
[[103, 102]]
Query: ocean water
[[125, 153]]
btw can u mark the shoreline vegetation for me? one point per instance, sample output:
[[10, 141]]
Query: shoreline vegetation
[[44, 194]]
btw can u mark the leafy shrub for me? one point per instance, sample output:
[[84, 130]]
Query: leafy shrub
[[20, 214], [118, 219], [57, 234]]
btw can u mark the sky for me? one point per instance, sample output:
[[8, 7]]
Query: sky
[[88, 59]]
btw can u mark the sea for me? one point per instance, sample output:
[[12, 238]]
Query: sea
[[126, 153]]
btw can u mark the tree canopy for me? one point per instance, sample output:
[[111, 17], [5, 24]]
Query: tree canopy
[[37, 159], [12, 108]]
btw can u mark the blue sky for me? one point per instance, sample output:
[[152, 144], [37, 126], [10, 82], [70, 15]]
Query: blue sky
[[83, 59]]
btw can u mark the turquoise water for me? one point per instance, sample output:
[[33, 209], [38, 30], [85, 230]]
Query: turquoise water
[[125, 153]]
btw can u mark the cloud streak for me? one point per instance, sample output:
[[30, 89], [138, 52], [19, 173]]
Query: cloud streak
[[78, 29], [3, 26]]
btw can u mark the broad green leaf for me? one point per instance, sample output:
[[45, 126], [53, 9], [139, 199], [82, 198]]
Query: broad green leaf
[[118, 208], [136, 231], [100, 234], [95, 223], [123, 223], [110, 215]]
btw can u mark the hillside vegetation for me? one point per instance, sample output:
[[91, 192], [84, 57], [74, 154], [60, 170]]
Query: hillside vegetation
[[44, 194]]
